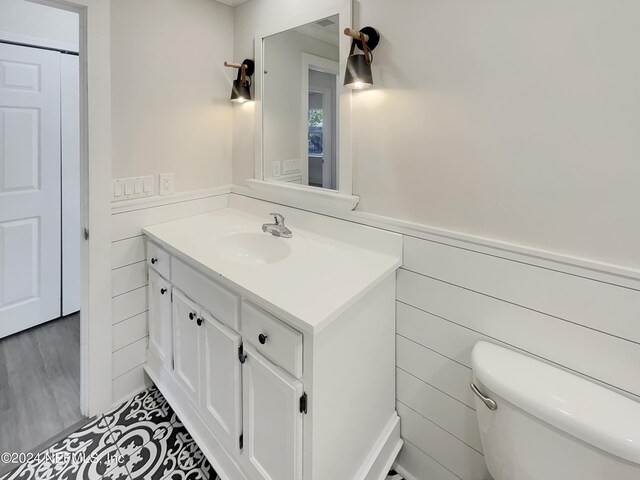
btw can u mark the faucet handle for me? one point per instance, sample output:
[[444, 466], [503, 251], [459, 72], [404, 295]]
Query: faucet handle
[[279, 219]]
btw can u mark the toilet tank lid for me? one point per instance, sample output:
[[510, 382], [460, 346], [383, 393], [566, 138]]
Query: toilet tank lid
[[590, 412]]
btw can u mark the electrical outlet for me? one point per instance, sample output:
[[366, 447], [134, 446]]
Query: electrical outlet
[[166, 183], [276, 168]]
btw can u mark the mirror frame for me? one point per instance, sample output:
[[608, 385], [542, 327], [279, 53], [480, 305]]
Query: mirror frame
[[342, 197]]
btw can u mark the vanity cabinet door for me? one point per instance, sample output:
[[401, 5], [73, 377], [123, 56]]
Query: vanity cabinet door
[[186, 344], [160, 327], [221, 382], [272, 420]]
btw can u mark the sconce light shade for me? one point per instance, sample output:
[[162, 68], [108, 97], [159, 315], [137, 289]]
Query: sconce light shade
[[241, 89], [240, 92], [358, 74]]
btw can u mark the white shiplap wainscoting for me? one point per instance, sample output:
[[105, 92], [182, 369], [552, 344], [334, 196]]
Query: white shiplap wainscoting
[[129, 277], [454, 290], [449, 297]]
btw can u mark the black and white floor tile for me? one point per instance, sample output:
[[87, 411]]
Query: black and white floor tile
[[141, 439]]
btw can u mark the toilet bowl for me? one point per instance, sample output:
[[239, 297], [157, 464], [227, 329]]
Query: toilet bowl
[[538, 422]]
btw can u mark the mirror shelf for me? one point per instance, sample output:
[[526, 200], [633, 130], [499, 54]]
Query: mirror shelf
[[302, 196]]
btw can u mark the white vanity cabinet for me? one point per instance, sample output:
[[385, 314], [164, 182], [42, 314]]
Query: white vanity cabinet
[[247, 396], [160, 326], [207, 368], [221, 393], [187, 319], [300, 390], [272, 419]]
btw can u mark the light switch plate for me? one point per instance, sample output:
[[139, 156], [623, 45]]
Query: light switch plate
[[132, 187], [290, 166], [166, 183], [117, 188], [276, 168]]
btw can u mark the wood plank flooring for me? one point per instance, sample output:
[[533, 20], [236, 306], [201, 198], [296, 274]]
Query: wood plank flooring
[[39, 384]]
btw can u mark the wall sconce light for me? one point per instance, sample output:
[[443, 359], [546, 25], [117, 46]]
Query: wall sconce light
[[241, 90], [358, 74]]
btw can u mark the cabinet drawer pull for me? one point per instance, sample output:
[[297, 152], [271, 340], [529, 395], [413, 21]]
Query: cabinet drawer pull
[[192, 315], [262, 338], [199, 321], [154, 260], [163, 291]]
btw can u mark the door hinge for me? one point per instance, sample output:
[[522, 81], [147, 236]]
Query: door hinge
[[241, 441], [241, 356], [86, 234], [303, 403]]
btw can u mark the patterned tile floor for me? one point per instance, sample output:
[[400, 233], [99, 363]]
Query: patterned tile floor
[[141, 439]]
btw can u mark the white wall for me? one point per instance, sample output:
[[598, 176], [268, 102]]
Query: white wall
[[170, 90], [515, 121], [25, 18]]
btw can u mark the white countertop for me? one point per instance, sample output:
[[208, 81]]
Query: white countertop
[[312, 278]]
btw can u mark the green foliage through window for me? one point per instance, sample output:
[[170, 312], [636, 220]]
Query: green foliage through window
[[315, 131]]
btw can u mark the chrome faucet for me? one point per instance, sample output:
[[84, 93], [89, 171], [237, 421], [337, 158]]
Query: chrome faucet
[[277, 229]]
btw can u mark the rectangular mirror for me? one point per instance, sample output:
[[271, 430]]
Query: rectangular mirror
[[302, 108]]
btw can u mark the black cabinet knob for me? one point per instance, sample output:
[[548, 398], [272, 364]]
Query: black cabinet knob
[[192, 316], [262, 338], [154, 260], [163, 291], [199, 321]]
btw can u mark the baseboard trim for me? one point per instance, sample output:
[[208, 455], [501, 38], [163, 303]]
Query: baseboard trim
[[160, 200], [380, 459], [406, 475], [135, 391]]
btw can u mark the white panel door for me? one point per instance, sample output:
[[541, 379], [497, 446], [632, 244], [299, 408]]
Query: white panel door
[[160, 325], [186, 346], [272, 420], [221, 382], [71, 230], [30, 227]]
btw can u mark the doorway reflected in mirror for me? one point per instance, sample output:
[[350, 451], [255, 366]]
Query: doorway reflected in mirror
[[300, 105]]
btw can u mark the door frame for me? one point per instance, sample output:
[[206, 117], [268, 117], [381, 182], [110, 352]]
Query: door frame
[[321, 64], [327, 132], [95, 201]]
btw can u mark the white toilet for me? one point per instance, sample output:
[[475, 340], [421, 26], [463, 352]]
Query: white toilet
[[538, 422]]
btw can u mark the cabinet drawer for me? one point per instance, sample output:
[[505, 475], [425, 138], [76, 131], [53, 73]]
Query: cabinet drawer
[[159, 259], [282, 344], [220, 302]]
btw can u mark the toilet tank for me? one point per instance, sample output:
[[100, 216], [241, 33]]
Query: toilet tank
[[550, 424]]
